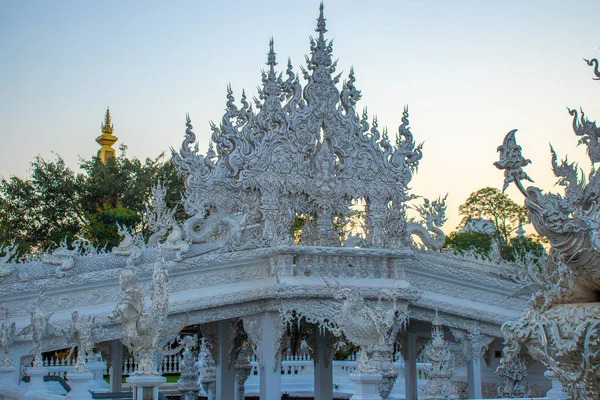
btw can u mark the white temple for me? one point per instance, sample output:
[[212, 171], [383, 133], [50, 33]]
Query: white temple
[[266, 258]]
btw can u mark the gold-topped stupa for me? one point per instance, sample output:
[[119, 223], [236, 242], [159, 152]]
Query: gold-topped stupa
[[106, 140]]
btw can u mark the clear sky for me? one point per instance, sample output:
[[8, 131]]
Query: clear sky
[[470, 71]]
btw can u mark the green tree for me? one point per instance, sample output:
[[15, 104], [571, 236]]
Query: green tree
[[56, 203], [490, 203], [40, 211], [479, 242]]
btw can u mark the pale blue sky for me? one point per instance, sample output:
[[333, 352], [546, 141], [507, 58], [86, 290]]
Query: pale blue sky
[[470, 71]]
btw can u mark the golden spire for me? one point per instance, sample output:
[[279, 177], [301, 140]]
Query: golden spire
[[107, 139]]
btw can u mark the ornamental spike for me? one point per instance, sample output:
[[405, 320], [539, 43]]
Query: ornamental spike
[[271, 57], [321, 26], [512, 162]]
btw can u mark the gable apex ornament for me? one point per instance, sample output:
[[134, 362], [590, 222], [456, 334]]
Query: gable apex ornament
[[304, 150]]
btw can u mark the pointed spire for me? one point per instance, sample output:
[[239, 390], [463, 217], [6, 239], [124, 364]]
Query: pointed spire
[[107, 139], [321, 27], [271, 58], [107, 126]]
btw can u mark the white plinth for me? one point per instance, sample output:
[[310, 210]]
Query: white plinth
[[98, 384], [37, 387], [79, 382], [145, 387], [366, 386], [5, 373]]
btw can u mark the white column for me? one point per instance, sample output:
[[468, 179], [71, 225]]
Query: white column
[[323, 375], [270, 371], [410, 367], [116, 372], [225, 369], [474, 378]]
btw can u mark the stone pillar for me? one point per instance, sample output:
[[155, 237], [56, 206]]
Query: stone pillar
[[474, 345], [323, 375], [225, 366], [116, 372], [270, 360], [410, 367], [474, 378]]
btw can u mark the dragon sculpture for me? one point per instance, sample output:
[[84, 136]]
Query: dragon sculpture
[[433, 214], [561, 328], [39, 329], [81, 333]]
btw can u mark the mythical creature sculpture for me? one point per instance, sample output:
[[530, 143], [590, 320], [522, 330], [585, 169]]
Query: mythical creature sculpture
[[6, 267], [160, 218], [208, 370], [63, 256], [304, 150], [513, 374], [81, 333], [561, 328], [142, 327], [39, 329], [188, 381], [7, 338], [433, 214], [439, 384]]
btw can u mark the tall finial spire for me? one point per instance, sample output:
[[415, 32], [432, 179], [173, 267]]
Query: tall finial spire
[[107, 126], [271, 58], [321, 23], [107, 139]]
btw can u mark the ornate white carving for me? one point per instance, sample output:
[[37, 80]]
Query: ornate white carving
[[253, 328], [243, 367], [188, 383], [208, 370], [39, 329], [304, 151], [561, 328], [434, 215], [7, 338], [439, 385], [81, 334], [473, 343], [159, 217], [63, 257], [142, 327], [7, 267], [512, 373]]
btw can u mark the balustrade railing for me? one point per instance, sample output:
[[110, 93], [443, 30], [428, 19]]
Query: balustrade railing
[[338, 262]]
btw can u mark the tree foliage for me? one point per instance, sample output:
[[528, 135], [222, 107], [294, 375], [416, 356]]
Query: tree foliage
[[490, 203], [56, 203], [478, 242]]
